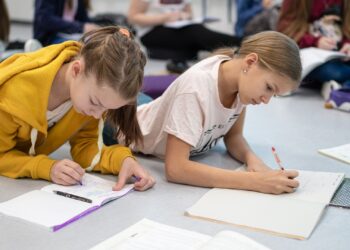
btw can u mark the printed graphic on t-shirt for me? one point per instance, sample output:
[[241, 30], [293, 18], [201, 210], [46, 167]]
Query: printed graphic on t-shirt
[[212, 135], [171, 1]]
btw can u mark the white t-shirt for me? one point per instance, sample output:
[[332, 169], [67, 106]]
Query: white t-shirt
[[189, 109], [160, 7], [55, 115]]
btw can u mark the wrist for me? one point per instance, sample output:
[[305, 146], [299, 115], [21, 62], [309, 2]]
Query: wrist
[[252, 159]]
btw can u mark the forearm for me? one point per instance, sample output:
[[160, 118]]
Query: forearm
[[199, 174], [148, 20], [239, 149]]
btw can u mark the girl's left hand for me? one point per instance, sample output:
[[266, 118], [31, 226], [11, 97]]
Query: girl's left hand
[[258, 167], [185, 16], [131, 168], [346, 49]]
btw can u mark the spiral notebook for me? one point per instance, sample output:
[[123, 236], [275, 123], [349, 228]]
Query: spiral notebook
[[342, 196], [46, 208]]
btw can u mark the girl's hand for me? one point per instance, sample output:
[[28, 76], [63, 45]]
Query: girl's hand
[[172, 16], [66, 172], [275, 181], [326, 43], [185, 15], [89, 27], [267, 4], [346, 49], [131, 168]]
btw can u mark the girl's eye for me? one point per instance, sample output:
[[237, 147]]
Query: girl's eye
[[269, 88], [93, 102]]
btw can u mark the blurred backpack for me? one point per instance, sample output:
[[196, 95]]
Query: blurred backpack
[[107, 19]]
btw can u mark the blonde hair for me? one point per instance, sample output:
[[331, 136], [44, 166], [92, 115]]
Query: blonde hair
[[115, 58], [276, 52], [299, 12]]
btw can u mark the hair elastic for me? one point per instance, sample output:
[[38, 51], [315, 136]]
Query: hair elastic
[[125, 32]]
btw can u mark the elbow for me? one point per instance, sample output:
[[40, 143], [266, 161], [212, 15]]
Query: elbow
[[172, 172]]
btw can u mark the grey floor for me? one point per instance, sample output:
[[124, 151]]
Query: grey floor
[[296, 125]]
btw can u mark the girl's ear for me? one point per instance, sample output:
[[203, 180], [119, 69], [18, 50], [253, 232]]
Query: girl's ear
[[251, 59], [77, 67]]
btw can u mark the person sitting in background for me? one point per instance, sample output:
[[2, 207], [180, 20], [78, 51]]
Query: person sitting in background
[[324, 24], [4, 25], [7, 47], [151, 18], [56, 21], [254, 16]]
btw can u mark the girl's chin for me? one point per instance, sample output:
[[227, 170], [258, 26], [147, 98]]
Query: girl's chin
[[79, 111]]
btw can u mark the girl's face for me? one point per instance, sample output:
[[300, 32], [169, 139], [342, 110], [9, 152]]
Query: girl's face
[[258, 85], [92, 99]]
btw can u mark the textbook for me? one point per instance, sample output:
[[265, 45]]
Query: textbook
[[150, 235], [293, 215], [55, 206], [314, 57], [341, 153]]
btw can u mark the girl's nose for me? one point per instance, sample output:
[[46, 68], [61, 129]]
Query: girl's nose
[[266, 99]]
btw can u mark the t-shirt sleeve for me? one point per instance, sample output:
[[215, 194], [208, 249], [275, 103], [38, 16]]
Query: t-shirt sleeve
[[185, 119]]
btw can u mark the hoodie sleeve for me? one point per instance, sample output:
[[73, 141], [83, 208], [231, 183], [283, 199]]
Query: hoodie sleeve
[[15, 163], [84, 148]]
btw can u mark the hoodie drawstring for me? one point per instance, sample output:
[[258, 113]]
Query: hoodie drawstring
[[33, 137], [97, 157]]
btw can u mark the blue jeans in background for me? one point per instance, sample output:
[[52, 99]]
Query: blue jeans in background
[[108, 131], [336, 70]]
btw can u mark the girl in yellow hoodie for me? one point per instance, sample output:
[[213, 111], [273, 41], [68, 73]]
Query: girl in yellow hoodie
[[61, 93]]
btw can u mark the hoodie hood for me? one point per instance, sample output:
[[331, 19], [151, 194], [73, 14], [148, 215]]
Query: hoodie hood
[[21, 71]]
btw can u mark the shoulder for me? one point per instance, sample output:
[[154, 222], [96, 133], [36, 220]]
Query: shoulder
[[207, 69]]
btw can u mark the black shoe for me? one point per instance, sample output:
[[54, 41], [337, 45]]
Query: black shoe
[[177, 67]]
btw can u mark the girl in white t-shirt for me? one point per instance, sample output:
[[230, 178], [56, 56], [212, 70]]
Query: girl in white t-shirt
[[208, 102]]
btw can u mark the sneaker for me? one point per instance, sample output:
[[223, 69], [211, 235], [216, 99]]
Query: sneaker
[[32, 45], [339, 99], [177, 67], [327, 88]]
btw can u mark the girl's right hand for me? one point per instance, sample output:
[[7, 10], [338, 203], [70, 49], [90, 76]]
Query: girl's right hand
[[172, 16], [326, 43], [275, 181], [89, 27], [66, 172]]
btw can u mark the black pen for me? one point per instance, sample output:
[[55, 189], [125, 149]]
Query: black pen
[[72, 196]]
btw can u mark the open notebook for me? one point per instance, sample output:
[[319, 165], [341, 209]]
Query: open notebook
[[314, 57], [46, 208], [341, 153], [293, 215], [150, 235]]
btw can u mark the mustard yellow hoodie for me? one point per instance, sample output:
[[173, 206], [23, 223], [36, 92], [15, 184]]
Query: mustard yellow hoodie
[[25, 141]]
